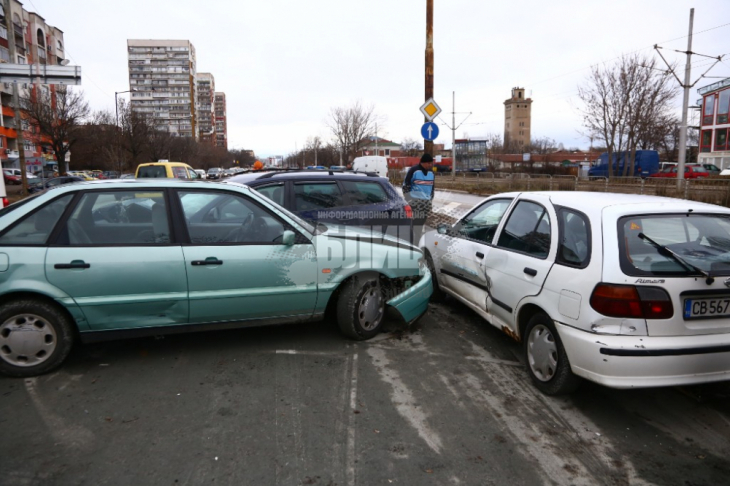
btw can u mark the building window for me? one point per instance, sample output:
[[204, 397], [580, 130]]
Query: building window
[[4, 54], [722, 106], [720, 139], [709, 110], [41, 38], [21, 60], [706, 142]]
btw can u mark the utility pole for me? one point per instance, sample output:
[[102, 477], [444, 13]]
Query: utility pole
[[428, 144], [20, 142], [682, 155], [453, 128]]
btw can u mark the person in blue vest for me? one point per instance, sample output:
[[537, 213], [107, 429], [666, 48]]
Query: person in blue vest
[[418, 190]]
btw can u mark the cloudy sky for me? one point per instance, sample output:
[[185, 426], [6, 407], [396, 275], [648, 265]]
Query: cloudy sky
[[284, 64]]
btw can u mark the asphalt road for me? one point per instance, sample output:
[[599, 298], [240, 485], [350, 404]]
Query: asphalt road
[[446, 401]]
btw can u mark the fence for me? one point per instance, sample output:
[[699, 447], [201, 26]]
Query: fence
[[713, 190]]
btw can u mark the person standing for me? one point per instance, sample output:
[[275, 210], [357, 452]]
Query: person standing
[[418, 191]]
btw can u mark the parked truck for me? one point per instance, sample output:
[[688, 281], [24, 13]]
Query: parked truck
[[646, 163]]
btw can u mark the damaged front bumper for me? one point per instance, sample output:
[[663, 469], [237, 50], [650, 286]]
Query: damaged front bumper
[[411, 302]]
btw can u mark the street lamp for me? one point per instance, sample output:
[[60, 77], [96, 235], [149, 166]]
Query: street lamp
[[116, 104]]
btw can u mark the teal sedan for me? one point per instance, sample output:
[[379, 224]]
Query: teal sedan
[[106, 260]]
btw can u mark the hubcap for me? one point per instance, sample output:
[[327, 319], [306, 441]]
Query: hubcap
[[542, 353], [370, 310], [27, 340]]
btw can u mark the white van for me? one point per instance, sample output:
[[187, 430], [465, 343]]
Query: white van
[[371, 163]]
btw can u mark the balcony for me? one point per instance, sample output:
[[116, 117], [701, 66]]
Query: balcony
[[18, 30]]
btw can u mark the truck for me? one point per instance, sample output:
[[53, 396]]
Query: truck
[[646, 163]]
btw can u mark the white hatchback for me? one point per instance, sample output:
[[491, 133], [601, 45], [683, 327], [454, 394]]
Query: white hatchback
[[623, 290]]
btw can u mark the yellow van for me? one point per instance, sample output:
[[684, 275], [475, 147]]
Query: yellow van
[[164, 169]]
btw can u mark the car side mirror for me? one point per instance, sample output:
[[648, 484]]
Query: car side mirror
[[442, 228], [288, 238]]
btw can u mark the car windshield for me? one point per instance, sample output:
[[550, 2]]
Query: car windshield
[[702, 240]]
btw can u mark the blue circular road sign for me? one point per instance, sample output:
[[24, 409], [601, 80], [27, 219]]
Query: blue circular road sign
[[430, 131]]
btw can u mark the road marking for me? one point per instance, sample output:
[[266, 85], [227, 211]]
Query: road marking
[[74, 436], [403, 399], [351, 427]]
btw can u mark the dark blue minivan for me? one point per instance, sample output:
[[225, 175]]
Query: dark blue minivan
[[326, 196]]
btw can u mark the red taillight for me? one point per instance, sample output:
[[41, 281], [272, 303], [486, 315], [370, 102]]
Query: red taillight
[[409, 211], [5, 202], [632, 302]]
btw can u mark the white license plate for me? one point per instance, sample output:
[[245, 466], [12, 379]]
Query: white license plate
[[696, 308]]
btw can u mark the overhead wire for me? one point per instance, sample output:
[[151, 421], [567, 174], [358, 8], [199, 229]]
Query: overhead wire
[[68, 54]]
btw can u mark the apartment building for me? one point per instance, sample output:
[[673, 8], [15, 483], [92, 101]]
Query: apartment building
[[517, 119], [34, 42], [206, 105], [221, 124], [162, 80], [715, 124]]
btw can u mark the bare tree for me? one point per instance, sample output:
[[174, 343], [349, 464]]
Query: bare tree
[[56, 115], [411, 147], [620, 103], [350, 125]]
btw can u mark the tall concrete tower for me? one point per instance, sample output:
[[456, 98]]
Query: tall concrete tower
[[517, 119]]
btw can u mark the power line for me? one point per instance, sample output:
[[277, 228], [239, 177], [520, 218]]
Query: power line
[[68, 54], [631, 52]]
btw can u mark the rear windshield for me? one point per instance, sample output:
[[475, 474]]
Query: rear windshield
[[701, 240], [153, 171]]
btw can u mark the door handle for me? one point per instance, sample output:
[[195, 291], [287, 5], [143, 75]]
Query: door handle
[[207, 261], [480, 255], [530, 271], [73, 264]]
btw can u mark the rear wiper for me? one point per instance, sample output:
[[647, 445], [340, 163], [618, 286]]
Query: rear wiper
[[664, 251]]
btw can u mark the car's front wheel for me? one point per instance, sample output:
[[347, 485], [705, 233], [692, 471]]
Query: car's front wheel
[[35, 337], [438, 295], [361, 307], [547, 362]]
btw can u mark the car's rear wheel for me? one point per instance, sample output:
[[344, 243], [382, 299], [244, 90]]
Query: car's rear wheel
[[361, 307], [547, 362], [35, 337]]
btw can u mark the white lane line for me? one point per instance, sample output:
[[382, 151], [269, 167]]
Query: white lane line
[[351, 428], [404, 400], [306, 353], [69, 435]]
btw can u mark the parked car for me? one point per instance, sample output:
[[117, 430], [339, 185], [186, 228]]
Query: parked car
[[214, 257], [126, 176], [14, 176], [111, 174], [9, 178], [214, 173], [165, 169], [80, 173], [691, 171], [337, 197], [623, 290], [201, 173], [55, 182], [712, 169]]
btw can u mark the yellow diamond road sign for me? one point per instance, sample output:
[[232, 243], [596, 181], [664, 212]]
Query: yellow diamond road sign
[[430, 109]]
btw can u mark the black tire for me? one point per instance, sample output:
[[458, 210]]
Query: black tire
[[438, 295], [35, 353], [361, 307], [547, 363]]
